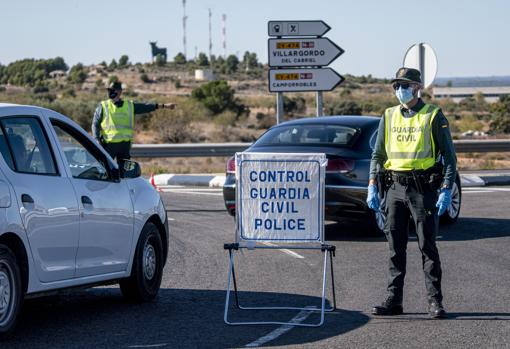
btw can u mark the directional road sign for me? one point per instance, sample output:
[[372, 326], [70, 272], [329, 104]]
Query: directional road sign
[[298, 52], [297, 28], [422, 57], [301, 80]]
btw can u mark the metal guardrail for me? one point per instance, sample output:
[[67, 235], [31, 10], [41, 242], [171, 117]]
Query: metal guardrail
[[229, 149]]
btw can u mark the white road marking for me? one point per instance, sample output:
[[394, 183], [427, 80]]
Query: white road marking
[[171, 219], [300, 317], [284, 250], [480, 190], [149, 345]]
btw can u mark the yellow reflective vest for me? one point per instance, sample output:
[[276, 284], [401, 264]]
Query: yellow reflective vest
[[118, 122], [408, 141]]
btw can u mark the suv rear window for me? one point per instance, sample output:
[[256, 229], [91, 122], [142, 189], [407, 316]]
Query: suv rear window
[[329, 135]]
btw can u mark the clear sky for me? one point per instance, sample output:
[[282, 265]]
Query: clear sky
[[471, 38]]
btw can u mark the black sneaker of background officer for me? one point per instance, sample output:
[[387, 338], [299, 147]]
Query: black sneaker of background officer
[[412, 138], [113, 123]]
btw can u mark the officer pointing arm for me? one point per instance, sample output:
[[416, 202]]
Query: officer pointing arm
[[113, 123], [413, 137]]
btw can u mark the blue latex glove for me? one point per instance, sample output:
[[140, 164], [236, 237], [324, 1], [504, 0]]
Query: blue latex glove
[[444, 200], [373, 198]]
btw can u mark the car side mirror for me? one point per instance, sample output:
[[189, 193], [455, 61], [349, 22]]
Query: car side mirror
[[131, 169]]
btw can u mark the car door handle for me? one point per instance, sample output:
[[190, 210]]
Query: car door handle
[[86, 200], [27, 199]]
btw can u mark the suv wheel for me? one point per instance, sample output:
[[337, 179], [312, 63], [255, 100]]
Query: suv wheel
[[147, 271], [11, 293]]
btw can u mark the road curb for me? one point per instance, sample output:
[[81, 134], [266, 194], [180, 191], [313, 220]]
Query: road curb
[[216, 181], [195, 180]]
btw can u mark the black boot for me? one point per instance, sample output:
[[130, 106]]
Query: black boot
[[390, 306], [436, 310]]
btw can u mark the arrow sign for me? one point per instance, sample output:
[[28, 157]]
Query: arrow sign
[[297, 28], [302, 52], [301, 80]]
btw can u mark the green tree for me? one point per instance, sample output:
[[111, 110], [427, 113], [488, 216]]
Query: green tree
[[113, 65], [217, 96], [202, 59], [501, 115], [180, 58], [123, 61], [294, 105], [77, 74], [250, 60], [232, 63], [160, 60], [30, 72]]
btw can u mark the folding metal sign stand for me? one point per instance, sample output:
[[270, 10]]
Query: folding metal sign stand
[[326, 249], [313, 241]]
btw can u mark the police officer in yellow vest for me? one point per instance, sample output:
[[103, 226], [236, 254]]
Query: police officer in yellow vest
[[414, 166], [114, 119]]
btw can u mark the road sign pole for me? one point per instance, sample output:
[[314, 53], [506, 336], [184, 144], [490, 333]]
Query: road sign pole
[[319, 104], [421, 62], [279, 107]]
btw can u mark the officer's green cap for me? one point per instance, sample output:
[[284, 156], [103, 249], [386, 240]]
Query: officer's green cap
[[407, 74], [115, 85]]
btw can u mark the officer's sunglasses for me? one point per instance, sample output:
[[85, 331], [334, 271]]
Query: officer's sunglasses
[[404, 85]]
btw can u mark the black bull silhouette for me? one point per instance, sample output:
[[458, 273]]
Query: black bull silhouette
[[157, 50]]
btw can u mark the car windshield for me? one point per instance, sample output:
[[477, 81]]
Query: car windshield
[[329, 135]]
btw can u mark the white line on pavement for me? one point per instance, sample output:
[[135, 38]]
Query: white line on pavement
[[171, 219], [284, 250], [300, 317], [476, 191]]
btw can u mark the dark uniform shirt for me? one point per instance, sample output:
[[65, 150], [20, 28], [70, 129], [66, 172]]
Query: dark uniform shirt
[[139, 108], [442, 139]]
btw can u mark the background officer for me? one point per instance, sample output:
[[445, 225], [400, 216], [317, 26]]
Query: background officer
[[412, 139], [114, 119]]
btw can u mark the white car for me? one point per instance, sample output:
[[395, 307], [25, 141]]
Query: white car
[[69, 216]]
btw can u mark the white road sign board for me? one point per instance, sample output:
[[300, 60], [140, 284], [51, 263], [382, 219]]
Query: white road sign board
[[301, 80], [296, 52], [297, 28], [422, 57], [280, 197]]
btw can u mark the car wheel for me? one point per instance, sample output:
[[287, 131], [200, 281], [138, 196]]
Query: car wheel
[[452, 212], [147, 271], [11, 293]]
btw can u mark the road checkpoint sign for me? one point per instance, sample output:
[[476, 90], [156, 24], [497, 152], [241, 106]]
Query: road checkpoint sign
[[280, 197], [297, 28], [302, 52], [301, 80], [280, 205]]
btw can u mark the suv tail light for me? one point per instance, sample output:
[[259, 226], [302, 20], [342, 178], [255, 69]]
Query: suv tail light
[[231, 165], [339, 166]]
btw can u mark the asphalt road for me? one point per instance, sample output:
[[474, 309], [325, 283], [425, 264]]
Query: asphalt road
[[189, 311]]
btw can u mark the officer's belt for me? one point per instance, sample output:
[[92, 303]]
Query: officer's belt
[[410, 177]]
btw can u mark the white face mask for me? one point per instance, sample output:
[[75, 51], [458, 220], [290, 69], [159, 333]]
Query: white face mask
[[405, 95]]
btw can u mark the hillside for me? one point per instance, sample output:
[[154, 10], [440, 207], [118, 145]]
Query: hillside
[[242, 110]]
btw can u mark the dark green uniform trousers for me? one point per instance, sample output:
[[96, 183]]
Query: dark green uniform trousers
[[118, 151], [404, 202]]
